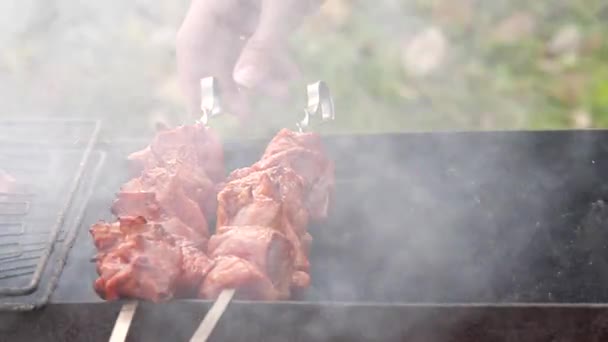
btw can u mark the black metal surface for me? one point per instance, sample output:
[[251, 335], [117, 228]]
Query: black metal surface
[[424, 228], [314, 322], [36, 221], [442, 218]]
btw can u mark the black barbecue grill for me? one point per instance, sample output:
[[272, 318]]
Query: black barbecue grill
[[472, 236]]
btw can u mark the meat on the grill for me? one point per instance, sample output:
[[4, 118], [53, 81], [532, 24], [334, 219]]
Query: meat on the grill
[[256, 259], [160, 247], [195, 145], [173, 195], [146, 260], [290, 185], [271, 198], [156, 250], [304, 154], [135, 259]]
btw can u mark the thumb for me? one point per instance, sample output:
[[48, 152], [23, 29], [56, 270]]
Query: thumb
[[264, 63]]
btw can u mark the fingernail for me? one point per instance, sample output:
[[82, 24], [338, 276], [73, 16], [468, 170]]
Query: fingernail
[[247, 77]]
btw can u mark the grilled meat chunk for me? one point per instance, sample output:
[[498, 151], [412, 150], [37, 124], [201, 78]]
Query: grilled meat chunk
[[150, 261], [195, 145], [265, 250], [270, 198], [304, 154], [289, 186], [169, 192], [231, 272], [136, 260], [156, 250]]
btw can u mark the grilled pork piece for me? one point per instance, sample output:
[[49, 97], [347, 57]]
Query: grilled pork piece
[[174, 194], [264, 266], [270, 198], [290, 185], [304, 154], [145, 260], [135, 259], [194, 145], [156, 250]]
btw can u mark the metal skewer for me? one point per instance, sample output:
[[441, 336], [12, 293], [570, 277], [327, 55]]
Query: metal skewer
[[204, 330], [210, 107], [320, 107], [123, 322]]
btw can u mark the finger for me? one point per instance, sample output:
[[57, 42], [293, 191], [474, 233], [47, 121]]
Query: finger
[[207, 45], [264, 63]]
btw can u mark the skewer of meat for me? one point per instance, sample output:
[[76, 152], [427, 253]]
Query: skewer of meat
[[156, 249], [261, 244]]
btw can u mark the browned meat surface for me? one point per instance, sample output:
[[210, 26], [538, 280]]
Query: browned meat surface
[[231, 272], [146, 260], [304, 154], [265, 248], [194, 145], [171, 193], [275, 197], [135, 259], [271, 198], [160, 247], [156, 250]]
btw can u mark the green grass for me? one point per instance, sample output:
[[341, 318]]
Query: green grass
[[484, 84]]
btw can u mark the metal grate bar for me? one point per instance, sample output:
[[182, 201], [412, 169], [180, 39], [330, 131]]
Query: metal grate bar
[[32, 218], [11, 229], [16, 250], [52, 272], [14, 208]]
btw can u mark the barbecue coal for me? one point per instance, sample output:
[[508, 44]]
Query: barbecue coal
[[156, 250], [271, 201]]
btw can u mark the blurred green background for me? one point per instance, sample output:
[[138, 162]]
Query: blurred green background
[[392, 65]]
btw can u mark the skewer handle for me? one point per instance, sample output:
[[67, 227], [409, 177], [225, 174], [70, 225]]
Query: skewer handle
[[210, 99], [123, 322], [319, 106], [213, 316]]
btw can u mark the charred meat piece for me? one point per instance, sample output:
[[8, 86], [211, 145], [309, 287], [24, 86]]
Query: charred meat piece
[[167, 192], [150, 261], [304, 154], [270, 198], [267, 250], [156, 250], [195, 267], [135, 259], [277, 196], [195, 145]]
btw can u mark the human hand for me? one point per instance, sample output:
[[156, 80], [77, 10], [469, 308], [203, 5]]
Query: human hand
[[243, 44]]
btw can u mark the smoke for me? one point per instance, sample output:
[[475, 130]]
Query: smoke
[[420, 218]]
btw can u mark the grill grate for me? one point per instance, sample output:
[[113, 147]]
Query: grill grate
[[48, 169]]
